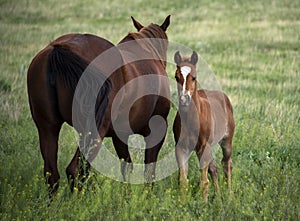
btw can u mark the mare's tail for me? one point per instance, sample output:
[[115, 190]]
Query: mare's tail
[[66, 66]]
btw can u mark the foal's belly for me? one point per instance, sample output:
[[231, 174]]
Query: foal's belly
[[219, 125]]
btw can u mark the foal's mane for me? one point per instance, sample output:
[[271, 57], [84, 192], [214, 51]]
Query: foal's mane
[[152, 39]]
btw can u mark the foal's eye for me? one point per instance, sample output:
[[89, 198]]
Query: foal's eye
[[177, 78], [194, 78]]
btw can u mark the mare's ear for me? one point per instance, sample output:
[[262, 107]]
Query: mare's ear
[[177, 58], [136, 24], [194, 58], [166, 23]]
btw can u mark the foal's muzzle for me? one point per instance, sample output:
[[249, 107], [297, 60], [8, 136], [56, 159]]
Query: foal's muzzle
[[185, 100]]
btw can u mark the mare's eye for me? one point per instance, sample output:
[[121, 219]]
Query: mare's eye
[[194, 78], [177, 78]]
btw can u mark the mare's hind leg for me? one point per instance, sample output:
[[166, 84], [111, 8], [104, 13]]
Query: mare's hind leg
[[78, 167], [48, 135], [124, 155], [226, 145], [48, 122]]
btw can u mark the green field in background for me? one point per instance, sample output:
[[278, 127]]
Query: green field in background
[[253, 49]]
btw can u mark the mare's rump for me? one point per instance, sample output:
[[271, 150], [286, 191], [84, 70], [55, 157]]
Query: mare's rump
[[54, 74]]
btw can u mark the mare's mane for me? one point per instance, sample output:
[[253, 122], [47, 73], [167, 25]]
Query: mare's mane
[[152, 39]]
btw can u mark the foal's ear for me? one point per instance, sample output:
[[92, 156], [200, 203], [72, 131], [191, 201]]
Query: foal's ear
[[166, 23], [194, 58], [136, 24], [177, 58]]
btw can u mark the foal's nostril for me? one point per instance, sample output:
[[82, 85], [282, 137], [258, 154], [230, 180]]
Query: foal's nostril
[[188, 97], [185, 100]]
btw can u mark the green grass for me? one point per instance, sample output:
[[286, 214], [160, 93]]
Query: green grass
[[253, 49]]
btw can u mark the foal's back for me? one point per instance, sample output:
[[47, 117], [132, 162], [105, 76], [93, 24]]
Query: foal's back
[[221, 112]]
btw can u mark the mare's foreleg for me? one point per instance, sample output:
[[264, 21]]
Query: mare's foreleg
[[124, 155], [151, 154]]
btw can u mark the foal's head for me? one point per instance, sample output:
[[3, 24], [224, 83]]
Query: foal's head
[[186, 77]]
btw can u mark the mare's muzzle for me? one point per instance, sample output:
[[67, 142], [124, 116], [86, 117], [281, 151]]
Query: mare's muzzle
[[185, 100]]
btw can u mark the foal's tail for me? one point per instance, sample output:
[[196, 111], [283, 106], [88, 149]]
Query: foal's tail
[[67, 67], [230, 114]]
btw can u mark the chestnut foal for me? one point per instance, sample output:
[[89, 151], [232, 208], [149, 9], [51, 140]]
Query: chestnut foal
[[204, 118]]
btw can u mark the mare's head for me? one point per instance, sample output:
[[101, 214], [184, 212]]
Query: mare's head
[[152, 39], [186, 77], [152, 30]]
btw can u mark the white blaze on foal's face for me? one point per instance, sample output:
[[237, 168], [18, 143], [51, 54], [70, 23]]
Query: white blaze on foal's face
[[185, 71]]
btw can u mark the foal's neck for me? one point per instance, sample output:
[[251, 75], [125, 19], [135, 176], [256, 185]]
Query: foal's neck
[[190, 111], [196, 97]]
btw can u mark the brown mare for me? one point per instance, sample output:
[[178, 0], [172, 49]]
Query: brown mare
[[55, 72], [204, 118]]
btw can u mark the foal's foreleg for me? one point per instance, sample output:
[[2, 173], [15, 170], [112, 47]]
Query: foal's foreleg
[[204, 157], [182, 156], [204, 183]]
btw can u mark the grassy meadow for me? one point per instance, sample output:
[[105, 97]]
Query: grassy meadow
[[253, 48]]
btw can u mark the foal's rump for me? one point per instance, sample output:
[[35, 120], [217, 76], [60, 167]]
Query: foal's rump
[[221, 113]]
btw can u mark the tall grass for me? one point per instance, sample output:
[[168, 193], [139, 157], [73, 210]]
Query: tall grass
[[253, 49]]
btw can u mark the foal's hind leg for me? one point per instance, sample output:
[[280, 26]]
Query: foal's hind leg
[[226, 145], [213, 172]]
